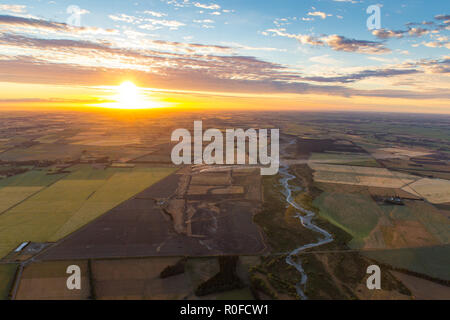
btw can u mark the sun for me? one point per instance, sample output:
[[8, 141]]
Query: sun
[[128, 96], [128, 91]]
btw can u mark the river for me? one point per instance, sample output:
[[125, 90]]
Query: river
[[305, 216]]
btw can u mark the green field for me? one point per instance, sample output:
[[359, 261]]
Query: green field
[[353, 159], [434, 221], [33, 178], [7, 272], [44, 151], [71, 202], [10, 196], [432, 261], [357, 214], [299, 129]]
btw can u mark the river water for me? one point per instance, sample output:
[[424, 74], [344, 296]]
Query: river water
[[305, 216]]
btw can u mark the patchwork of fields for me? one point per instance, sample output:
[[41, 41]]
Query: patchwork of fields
[[46, 208], [417, 230], [125, 279], [362, 176], [168, 220]]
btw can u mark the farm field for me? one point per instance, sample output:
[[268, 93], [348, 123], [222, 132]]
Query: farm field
[[432, 261], [44, 151], [179, 222], [47, 281], [423, 289], [349, 196], [357, 214], [102, 193], [10, 196], [363, 176], [430, 217], [33, 178], [124, 279], [71, 202], [7, 273], [400, 152], [434, 190], [373, 225], [138, 279], [343, 158]]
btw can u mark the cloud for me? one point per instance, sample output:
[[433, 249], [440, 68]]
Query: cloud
[[336, 42], [414, 31], [361, 75], [125, 18], [437, 44], [14, 8], [417, 32], [238, 74], [320, 14], [341, 43], [155, 14], [204, 21], [172, 24], [147, 23], [56, 100], [30, 71], [205, 6], [32, 25], [250, 48], [442, 17], [386, 34], [175, 65], [349, 1], [435, 66]]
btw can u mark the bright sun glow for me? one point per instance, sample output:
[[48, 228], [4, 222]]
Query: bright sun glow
[[128, 95], [131, 97]]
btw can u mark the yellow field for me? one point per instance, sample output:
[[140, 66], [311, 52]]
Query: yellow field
[[398, 152], [434, 190], [10, 196], [68, 204], [120, 187], [47, 281], [361, 176]]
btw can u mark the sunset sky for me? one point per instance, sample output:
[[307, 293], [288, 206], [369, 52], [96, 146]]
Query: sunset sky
[[285, 54]]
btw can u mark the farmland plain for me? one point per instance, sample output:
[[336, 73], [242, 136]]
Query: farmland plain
[[101, 191], [69, 203]]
